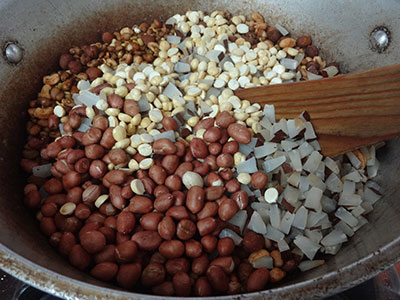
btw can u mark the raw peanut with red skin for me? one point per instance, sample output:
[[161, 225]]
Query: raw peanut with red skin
[[195, 199], [202, 169], [185, 230], [163, 202], [225, 262], [90, 194], [164, 147], [115, 101], [258, 280], [209, 243], [198, 148], [67, 142], [107, 140], [225, 246], [213, 179], [91, 136], [93, 73], [244, 271], [53, 186], [231, 147], [32, 199], [234, 287], [78, 136], [53, 149], [131, 107], [311, 51], [206, 226], [96, 218], [147, 240], [93, 241], [75, 66], [202, 287], [97, 169], [259, 180], [217, 278], [176, 265], [74, 155], [225, 160], [152, 275], [158, 174], [67, 242], [89, 227], [173, 183], [200, 264], [108, 209], [214, 192], [239, 133], [109, 233], [49, 209], [273, 34], [64, 60], [58, 199], [111, 222], [120, 237], [116, 198], [100, 122], [151, 220], [94, 151], [164, 289], [210, 209], [82, 165], [224, 136], [169, 123], [214, 148], [178, 212], [128, 275], [149, 185], [104, 271], [253, 242], [125, 252], [232, 186], [47, 226], [126, 192], [224, 119], [179, 198], [125, 222], [227, 209], [183, 168], [79, 258], [204, 123], [140, 205], [158, 258], [303, 41], [166, 228], [212, 134], [241, 198], [172, 249], [170, 163], [72, 224], [55, 238], [193, 249], [117, 156], [182, 284]]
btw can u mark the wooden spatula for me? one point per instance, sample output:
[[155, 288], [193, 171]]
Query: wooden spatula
[[347, 111]]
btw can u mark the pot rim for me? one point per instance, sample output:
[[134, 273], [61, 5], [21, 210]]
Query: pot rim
[[327, 284]]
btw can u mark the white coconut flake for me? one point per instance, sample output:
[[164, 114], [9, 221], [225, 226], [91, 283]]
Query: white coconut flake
[[309, 134], [313, 199], [304, 184], [334, 184], [295, 158], [361, 222], [274, 234], [283, 245], [314, 218], [257, 224], [370, 196], [291, 195], [332, 165], [286, 222], [231, 234], [42, 171], [275, 216], [349, 188], [294, 179], [288, 145], [313, 162], [239, 219], [289, 63], [346, 216], [273, 163], [248, 166], [172, 92], [143, 104], [350, 200], [314, 235], [328, 205], [310, 264], [300, 218], [307, 246], [341, 225], [86, 123], [264, 150], [354, 160], [316, 181], [334, 238], [265, 261], [269, 112]]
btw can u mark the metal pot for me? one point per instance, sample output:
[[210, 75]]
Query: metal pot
[[43, 29]]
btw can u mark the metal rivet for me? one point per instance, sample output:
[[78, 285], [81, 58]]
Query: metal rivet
[[380, 39], [13, 52]]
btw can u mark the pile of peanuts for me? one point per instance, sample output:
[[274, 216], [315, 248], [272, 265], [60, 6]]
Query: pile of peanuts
[[143, 210]]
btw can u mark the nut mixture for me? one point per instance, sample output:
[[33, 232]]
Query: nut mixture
[[142, 161]]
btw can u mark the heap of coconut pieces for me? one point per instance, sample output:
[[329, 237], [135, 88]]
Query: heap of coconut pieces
[[321, 201]]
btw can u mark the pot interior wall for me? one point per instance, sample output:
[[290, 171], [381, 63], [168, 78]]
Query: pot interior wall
[[45, 29]]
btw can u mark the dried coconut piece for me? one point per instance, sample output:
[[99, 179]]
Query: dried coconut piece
[[310, 264], [248, 166], [291, 195], [346, 216], [350, 200], [265, 261], [295, 158], [370, 196], [239, 219], [313, 199], [335, 237], [307, 246], [275, 216], [315, 181], [342, 226], [354, 160], [257, 224], [286, 222], [333, 250], [283, 245], [265, 150], [289, 63], [300, 218], [294, 179], [333, 183], [313, 162], [231, 234], [269, 112], [314, 235], [273, 163], [273, 234], [314, 218], [42, 171]]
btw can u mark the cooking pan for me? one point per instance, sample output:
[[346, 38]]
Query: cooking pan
[[43, 29]]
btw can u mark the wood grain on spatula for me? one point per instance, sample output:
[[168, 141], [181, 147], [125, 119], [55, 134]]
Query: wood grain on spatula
[[347, 111]]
